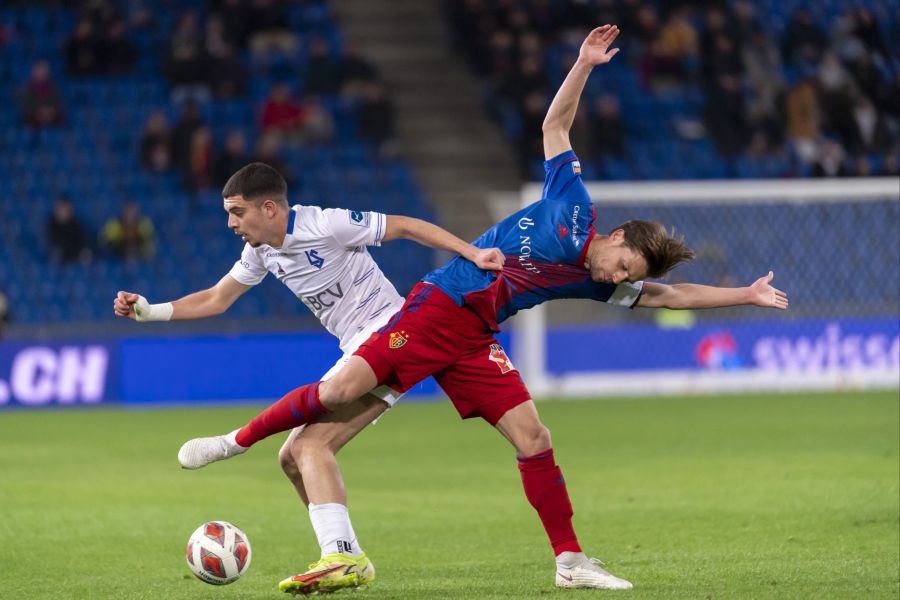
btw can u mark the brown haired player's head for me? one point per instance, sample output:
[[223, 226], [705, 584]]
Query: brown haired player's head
[[633, 251]]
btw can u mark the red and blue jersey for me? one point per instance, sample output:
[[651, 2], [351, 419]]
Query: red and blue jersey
[[545, 246]]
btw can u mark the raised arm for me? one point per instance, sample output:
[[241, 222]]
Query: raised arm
[[205, 303], [594, 51], [692, 295], [431, 235]]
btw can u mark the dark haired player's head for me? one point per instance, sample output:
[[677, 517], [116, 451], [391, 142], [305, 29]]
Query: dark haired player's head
[[256, 183], [255, 199], [633, 251]]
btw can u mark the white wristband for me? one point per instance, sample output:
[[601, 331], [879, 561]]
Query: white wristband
[[144, 311]]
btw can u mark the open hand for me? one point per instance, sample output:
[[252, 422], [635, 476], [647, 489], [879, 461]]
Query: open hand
[[595, 49], [489, 259], [763, 294]]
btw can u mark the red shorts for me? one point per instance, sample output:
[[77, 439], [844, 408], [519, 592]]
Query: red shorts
[[432, 335]]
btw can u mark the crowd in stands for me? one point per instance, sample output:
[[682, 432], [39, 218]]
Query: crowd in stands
[[815, 84], [210, 55]]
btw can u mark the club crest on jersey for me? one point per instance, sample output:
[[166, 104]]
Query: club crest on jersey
[[397, 339], [498, 355], [563, 231], [359, 218], [576, 167], [314, 259]]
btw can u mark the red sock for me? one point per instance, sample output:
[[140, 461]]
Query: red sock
[[545, 488], [297, 407]]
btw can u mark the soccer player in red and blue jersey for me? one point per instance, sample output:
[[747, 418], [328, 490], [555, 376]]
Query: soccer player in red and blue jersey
[[446, 327]]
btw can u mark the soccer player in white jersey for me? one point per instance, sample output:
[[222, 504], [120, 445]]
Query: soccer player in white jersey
[[320, 256]]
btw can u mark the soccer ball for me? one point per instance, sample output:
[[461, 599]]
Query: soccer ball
[[218, 552]]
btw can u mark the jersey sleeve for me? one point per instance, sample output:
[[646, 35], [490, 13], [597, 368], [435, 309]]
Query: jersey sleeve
[[249, 270], [563, 179], [352, 228]]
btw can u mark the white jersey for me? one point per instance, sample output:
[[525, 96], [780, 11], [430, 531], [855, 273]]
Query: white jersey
[[324, 262]]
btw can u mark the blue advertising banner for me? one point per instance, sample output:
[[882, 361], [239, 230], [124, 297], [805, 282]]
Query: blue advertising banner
[[61, 373], [219, 368], [149, 370], [808, 345]]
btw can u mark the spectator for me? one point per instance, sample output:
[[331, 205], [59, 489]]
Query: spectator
[[281, 112], [318, 123], [199, 175], [323, 71], [270, 31], [804, 119], [156, 144], [233, 158], [534, 109], [830, 161], [529, 77], [41, 102], [375, 115], [803, 41], [354, 71], [66, 236], [83, 50], [764, 80], [746, 23], [872, 135], [581, 135], [183, 134], [234, 21], [670, 57], [288, 120], [227, 76], [725, 112], [608, 127], [185, 63], [100, 13], [130, 235], [866, 30], [119, 53]]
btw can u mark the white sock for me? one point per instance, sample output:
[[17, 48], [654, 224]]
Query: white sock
[[331, 522], [569, 560]]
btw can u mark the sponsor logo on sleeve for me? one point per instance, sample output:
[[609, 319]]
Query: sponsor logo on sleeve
[[576, 167], [360, 218]]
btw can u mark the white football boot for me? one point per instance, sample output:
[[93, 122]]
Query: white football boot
[[589, 574], [199, 452]]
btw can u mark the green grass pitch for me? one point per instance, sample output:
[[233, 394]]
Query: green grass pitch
[[785, 496]]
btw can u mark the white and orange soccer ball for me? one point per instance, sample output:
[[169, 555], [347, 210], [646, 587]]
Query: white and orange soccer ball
[[218, 552]]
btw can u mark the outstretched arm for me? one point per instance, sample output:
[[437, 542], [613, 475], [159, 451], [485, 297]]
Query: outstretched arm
[[431, 235], [205, 303], [691, 295], [594, 51]]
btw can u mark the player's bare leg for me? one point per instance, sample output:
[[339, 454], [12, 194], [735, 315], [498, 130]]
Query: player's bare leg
[[308, 454], [545, 489], [308, 459], [302, 405]]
